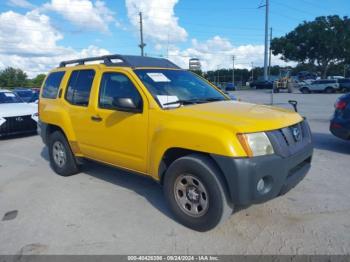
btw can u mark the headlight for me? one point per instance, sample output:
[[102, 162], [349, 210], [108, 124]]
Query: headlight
[[35, 117], [256, 144], [2, 120]]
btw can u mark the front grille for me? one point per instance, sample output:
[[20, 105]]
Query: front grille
[[18, 124], [285, 143]]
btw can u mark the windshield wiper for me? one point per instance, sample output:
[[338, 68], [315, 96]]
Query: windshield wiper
[[212, 99], [194, 101], [182, 102]]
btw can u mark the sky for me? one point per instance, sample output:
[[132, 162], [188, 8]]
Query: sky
[[35, 35]]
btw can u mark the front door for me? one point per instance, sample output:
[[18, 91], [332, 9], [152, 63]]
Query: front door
[[119, 137]]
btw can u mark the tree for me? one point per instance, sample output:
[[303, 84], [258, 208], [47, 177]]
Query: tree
[[37, 81], [11, 77], [321, 42]]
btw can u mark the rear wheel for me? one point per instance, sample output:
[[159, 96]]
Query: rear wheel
[[62, 159], [329, 90], [195, 192], [305, 90]]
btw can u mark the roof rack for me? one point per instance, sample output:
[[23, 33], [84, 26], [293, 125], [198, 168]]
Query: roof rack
[[124, 60]]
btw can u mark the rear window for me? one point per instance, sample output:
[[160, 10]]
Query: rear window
[[79, 87], [52, 84]]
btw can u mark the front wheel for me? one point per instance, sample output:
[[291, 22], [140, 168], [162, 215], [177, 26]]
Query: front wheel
[[329, 90], [196, 193]]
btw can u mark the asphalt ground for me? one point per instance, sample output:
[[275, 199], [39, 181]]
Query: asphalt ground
[[104, 210]]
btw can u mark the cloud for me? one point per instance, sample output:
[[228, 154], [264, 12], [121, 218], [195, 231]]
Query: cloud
[[21, 3], [83, 13], [30, 42], [159, 21], [217, 53]]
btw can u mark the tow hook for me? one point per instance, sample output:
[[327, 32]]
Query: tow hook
[[294, 104]]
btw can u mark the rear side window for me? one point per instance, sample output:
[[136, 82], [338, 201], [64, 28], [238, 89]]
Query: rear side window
[[79, 87], [52, 84]]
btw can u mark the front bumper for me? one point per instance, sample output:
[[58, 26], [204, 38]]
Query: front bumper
[[17, 125], [280, 172], [280, 175]]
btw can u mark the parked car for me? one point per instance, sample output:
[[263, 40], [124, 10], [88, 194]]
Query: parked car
[[149, 116], [262, 84], [230, 87], [335, 77], [322, 85], [340, 122], [344, 84], [25, 93], [35, 96], [306, 75], [16, 116]]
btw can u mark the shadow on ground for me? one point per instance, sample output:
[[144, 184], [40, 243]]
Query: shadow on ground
[[326, 141], [142, 185]]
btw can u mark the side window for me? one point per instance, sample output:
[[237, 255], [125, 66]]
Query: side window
[[117, 85], [52, 84], [79, 87]]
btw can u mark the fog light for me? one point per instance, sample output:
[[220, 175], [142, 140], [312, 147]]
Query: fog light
[[261, 185]]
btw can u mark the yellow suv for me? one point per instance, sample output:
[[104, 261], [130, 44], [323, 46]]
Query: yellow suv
[[149, 116]]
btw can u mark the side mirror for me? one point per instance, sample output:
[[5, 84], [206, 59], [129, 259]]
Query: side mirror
[[126, 104], [294, 104]]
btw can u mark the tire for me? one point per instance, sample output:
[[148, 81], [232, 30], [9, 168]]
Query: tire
[[196, 174], [62, 159], [305, 90], [329, 90]]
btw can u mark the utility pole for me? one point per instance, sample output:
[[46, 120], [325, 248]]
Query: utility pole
[[266, 37], [142, 44], [233, 70], [252, 71], [270, 53]]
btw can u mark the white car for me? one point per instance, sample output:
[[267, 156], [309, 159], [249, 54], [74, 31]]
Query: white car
[[322, 85], [16, 116]]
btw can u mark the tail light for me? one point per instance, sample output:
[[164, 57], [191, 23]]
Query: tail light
[[340, 105]]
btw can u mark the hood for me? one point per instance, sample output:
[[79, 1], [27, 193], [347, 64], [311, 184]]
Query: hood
[[239, 116], [17, 109]]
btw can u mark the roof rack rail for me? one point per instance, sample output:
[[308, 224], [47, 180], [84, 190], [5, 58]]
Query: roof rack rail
[[107, 60], [126, 60]]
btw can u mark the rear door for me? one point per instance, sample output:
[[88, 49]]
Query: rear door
[[77, 100], [316, 86]]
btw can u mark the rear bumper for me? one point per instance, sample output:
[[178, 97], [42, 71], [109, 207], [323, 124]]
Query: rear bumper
[[279, 175], [42, 131], [339, 130]]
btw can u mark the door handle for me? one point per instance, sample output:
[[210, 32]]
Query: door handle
[[96, 118]]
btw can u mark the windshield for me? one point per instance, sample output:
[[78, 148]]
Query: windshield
[[172, 88], [26, 95], [9, 97]]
